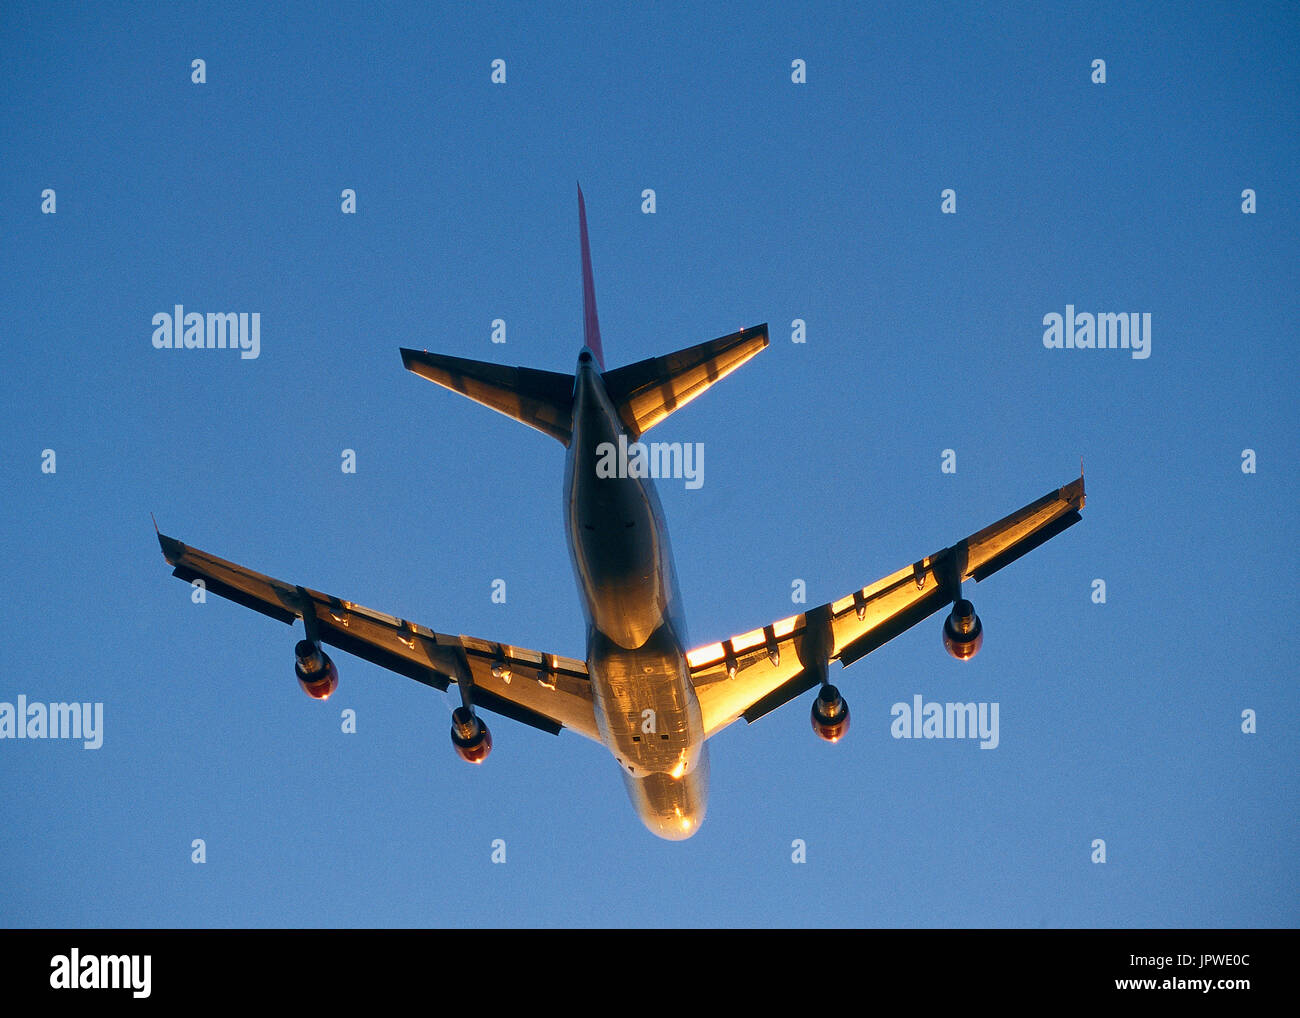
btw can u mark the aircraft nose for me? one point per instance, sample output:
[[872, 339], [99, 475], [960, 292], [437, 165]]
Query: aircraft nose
[[671, 808]]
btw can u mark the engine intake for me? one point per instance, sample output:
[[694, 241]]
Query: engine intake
[[470, 736], [830, 714], [962, 633], [316, 672]]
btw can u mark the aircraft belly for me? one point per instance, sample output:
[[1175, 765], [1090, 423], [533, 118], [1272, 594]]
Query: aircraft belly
[[651, 714]]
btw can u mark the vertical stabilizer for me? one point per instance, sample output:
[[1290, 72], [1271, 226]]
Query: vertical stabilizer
[[590, 324]]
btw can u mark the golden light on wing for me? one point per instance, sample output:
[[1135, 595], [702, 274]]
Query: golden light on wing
[[763, 666], [703, 655], [785, 627]]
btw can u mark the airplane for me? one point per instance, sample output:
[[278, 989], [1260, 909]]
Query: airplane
[[640, 691]]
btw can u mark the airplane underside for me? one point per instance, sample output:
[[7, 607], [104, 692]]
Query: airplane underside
[[639, 691]]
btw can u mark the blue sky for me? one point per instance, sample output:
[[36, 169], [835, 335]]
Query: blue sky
[[775, 201]]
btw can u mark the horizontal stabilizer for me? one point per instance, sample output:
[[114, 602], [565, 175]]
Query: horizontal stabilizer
[[540, 399], [648, 391]]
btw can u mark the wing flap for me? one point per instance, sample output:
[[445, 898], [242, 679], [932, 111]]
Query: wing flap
[[230, 593], [893, 625], [1028, 544]]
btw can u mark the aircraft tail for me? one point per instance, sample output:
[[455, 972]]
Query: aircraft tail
[[644, 393], [590, 323], [648, 391], [540, 399]]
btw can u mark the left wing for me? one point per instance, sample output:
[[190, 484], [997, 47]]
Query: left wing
[[756, 672], [543, 690]]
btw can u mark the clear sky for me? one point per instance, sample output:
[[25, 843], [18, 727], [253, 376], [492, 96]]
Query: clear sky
[[775, 201]]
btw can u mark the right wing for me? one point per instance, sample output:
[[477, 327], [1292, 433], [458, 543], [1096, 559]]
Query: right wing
[[545, 691], [756, 672]]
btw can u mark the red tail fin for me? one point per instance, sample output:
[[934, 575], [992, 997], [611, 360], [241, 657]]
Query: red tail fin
[[590, 324]]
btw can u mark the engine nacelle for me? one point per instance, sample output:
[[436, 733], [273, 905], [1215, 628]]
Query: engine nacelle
[[830, 714], [962, 633], [470, 736], [316, 672]]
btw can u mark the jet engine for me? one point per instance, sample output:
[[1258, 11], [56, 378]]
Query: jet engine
[[470, 736], [316, 672], [830, 714], [962, 633]]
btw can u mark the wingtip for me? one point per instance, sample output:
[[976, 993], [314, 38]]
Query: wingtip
[[172, 549], [1074, 491], [411, 358]]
